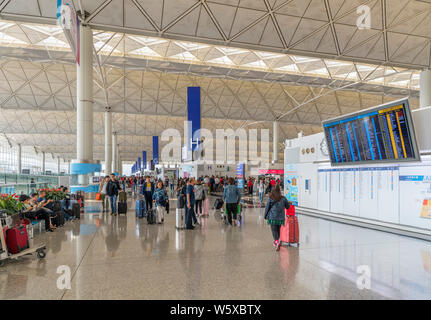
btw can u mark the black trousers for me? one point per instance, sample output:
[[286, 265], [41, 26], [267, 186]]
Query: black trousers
[[232, 210], [40, 214], [198, 204], [148, 202], [276, 231]]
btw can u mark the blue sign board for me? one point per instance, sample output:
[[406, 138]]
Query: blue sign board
[[193, 116], [155, 149]]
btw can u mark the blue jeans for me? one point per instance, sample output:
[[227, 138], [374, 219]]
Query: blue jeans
[[261, 196], [113, 202], [190, 216]]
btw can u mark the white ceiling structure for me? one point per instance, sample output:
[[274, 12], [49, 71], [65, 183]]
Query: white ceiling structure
[[256, 61]]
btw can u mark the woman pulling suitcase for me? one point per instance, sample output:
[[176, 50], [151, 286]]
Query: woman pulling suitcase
[[274, 213]]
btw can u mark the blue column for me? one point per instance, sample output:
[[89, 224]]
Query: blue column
[[144, 160], [193, 114], [155, 149]]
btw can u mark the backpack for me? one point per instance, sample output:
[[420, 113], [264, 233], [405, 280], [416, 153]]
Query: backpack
[[199, 192]]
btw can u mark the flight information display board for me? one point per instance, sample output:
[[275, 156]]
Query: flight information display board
[[380, 134]]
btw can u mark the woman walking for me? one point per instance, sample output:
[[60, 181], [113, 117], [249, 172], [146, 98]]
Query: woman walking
[[232, 197], [274, 214], [160, 199], [199, 197]]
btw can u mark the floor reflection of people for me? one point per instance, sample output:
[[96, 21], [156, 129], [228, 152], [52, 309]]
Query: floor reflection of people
[[280, 277], [112, 240], [190, 257], [233, 239], [54, 243], [122, 227]]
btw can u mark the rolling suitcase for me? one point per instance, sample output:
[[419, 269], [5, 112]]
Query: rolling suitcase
[[17, 239], [179, 219], [151, 216], [218, 203], [58, 221], [289, 233], [76, 210], [122, 207], [140, 208], [290, 211], [122, 196]]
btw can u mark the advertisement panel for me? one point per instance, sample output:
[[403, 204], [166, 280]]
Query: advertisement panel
[[69, 22], [291, 183]]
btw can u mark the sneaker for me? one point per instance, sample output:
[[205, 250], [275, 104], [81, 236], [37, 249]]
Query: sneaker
[[277, 248], [275, 243]]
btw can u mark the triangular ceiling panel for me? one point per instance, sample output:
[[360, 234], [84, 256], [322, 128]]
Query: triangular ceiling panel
[[113, 13], [244, 18], [133, 18], [172, 9], [270, 36], [206, 26], [224, 15], [188, 24]]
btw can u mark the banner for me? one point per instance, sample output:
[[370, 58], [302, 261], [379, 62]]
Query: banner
[[69, 22], [291, 183], [144, 160], [139, 163], [155, 149], [240, 175], [193, 116]]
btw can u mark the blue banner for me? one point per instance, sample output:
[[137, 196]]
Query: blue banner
[[144, 160], [139, 163], [155, 149], [194, 116]]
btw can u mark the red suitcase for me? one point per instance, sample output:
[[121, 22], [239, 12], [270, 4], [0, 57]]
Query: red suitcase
[[17, 239], [290, 211], [289, 233]]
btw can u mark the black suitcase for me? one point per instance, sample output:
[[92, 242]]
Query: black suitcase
[[58, 220], [151, 216], [218, 204], [122, 207], [76, 210]]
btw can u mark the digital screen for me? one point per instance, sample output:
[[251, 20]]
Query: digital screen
[[383, 133]]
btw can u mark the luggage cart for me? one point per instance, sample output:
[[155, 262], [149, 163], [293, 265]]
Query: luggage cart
[[40, 249]]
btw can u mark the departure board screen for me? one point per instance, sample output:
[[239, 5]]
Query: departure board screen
[[383, 133]]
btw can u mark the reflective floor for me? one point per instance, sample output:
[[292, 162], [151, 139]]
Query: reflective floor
[[124, 258]]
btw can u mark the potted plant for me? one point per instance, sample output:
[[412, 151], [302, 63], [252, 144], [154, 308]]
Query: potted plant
[[10, 205]]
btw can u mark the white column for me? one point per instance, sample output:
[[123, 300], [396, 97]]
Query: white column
[[68, 168], [118, 158], [425, 89], [43, 162], [114, 152], [108, 143], [58, 165], [275, 142], [19, 159], [85, 96]]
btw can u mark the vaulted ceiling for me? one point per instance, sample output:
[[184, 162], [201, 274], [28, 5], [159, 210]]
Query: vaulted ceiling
[[298, 62]]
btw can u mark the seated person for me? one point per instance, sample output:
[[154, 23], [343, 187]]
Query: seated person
[[32, 210], [65, 206], [47, 204]]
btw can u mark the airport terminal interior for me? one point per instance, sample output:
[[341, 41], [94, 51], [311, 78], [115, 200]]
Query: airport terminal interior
[[215, 149]]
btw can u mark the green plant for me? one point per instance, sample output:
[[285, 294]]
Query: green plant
[[10, 204], [53, 194]]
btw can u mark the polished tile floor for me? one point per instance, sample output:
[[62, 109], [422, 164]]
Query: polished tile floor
[[124, 258]]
